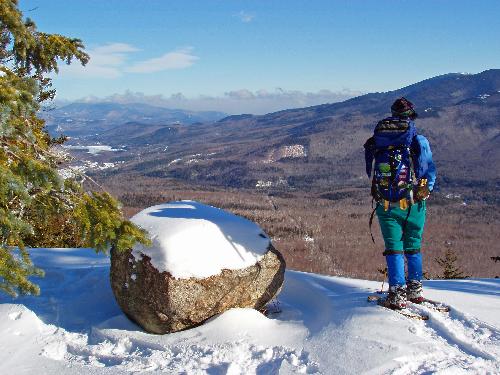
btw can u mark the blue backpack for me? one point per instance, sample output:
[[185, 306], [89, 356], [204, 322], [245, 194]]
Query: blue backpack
[[393, 170]]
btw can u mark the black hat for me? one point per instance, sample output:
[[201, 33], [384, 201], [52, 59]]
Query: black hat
[[402, 107]]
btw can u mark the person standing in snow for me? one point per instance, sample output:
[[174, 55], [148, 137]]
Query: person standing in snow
[[403, 178]]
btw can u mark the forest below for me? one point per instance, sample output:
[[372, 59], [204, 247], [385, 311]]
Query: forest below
[[327, 232]]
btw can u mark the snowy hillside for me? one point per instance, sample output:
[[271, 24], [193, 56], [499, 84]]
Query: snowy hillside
[[326, 326]]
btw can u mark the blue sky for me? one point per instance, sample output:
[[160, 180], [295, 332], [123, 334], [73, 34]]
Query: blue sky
[[257, 56]]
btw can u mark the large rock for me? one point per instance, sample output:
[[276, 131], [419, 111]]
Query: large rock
[[203, 261]]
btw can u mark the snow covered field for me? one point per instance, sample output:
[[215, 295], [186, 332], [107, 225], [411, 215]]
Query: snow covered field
[[326, 326], [93, 150]]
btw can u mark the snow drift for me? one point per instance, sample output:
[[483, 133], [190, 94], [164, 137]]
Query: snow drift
[[326, 326]]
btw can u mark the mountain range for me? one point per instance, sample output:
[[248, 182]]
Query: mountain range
[[86, 119], [317, 147]]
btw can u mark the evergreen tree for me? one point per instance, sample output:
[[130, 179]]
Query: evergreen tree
[[35, 202], [449, 265]]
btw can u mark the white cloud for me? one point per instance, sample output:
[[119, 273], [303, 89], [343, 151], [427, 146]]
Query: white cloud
[[237, 101], [240, 94], [111, 54], [105, 62], [180, 59], [112, 61], [282, 99], [115, 48], [245, 16]]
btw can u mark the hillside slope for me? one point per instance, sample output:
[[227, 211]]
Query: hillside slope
[[321, 146], [326, 326]]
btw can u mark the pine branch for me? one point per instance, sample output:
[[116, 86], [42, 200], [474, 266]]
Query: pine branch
[[38, 207]]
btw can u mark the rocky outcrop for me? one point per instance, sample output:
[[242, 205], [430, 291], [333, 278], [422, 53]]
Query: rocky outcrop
[[161, 303]]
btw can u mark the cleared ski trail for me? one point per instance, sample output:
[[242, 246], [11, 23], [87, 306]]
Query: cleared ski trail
[[326, 326]]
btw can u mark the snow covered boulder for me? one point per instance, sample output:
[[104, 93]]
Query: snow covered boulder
[[203, 261]]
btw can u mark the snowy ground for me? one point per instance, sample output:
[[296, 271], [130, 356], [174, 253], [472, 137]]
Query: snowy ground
[[94, 150], [326, 326]]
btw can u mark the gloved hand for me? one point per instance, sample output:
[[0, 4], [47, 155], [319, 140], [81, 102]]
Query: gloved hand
[[421, 192]]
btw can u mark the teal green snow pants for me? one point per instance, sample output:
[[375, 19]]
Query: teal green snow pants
[[399, 245]]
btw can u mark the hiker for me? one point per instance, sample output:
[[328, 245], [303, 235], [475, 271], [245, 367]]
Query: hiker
[[403, 178]]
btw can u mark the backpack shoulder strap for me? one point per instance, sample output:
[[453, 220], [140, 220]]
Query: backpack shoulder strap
[[369, 154]]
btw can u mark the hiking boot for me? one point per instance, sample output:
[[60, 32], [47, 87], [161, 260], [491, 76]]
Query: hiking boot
[[414, 291], [396, 299]]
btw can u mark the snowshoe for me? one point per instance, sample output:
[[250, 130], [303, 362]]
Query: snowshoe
[[381, 301]]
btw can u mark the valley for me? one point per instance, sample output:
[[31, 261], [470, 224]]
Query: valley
[[300, 173]]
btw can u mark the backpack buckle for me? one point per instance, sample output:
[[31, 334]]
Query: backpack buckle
[[403, 204]]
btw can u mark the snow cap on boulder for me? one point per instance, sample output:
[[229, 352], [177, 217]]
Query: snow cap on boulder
[[191, 239]]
